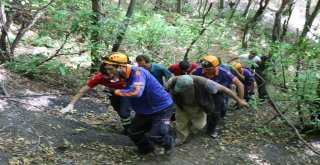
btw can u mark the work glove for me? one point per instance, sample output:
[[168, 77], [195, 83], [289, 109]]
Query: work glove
[[67, 108], [109, 91]]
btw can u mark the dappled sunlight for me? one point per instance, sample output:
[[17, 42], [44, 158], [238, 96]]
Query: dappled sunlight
[[3, 73], [315, 145], [257, 159], [38, 103], [2, 105]]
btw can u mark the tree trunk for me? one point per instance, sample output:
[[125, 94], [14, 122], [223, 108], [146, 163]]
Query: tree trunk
[[97, 9], [276, 31], [286, 22], [179, 6], [204, 8], [233, 8], [119, 3], [6, 21], [28, 25], [123, 30], [221, 5], [246, 11], [158, 5], [309, 21], [308, 5], [253, 22]]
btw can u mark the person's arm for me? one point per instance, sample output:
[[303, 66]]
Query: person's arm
[[236, 73], [76, 98], [234, 96], [81, 92], [170, 84], [166, 75], [137, 87], [240, 87], [235, 58]]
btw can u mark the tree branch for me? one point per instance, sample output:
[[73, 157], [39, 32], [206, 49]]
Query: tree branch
[[274, 105], [200, 33], [56, 54], [25, 27]]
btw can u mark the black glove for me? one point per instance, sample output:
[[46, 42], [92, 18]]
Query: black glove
[[109, 91]]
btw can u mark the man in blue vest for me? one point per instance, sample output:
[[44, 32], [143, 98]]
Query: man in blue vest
[[211, 69], [152, 104]]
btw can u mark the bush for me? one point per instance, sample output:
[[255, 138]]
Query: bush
[[29, 66]]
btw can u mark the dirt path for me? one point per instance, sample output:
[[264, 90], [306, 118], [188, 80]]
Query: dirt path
[[33, 132]]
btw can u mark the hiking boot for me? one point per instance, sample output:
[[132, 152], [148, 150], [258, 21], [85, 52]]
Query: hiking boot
[[213, 134], [169, 150]]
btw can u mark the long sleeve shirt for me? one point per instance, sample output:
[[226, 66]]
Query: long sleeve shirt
[[146, 94]]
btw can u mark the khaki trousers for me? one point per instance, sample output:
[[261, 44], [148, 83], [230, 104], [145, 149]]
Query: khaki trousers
[[190, 119]]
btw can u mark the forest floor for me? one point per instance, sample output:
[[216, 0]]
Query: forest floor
[[33, 131]]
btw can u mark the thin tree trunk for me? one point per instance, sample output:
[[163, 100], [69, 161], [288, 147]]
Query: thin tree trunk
[[6, 21], [119, 3], [179, 6], [246, 11], [27, 26], [221, 5], [286, 22], [200, 32], [158, 5], [97, 8], [199, 7], [204, 9], [309, 21], [123, 30], [276, 31], [308, 5], [298, 88], [253, 22], [234, 8]]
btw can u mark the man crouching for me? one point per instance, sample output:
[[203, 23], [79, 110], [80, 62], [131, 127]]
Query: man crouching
[[193, 96]]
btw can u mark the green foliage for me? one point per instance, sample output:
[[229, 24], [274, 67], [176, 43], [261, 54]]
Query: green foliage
[[266, 131], [29, 66], [45, 41], [151, 34], [297, 69]]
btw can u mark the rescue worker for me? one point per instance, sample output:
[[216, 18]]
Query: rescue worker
[[210, 69], [152, 104], [182, 68], [231, 68], [193, 96], [248, 60], [119, 104], [248, 80], [159, 72]]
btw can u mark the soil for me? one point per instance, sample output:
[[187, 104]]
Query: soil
[[32, 131]]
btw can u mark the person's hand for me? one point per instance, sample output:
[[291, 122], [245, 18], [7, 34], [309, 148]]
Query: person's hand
[[109, 91], [243, 104], [67, 108]]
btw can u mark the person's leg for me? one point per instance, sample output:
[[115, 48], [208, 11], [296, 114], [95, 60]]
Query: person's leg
[[122, 106], [214, 117], [137, 133], [220, 101], [125, 114], [198, 120], [182, 122], [159, 131], [246, 93]]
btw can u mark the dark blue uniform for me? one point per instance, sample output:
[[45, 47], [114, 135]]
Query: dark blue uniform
[[153, 107]]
